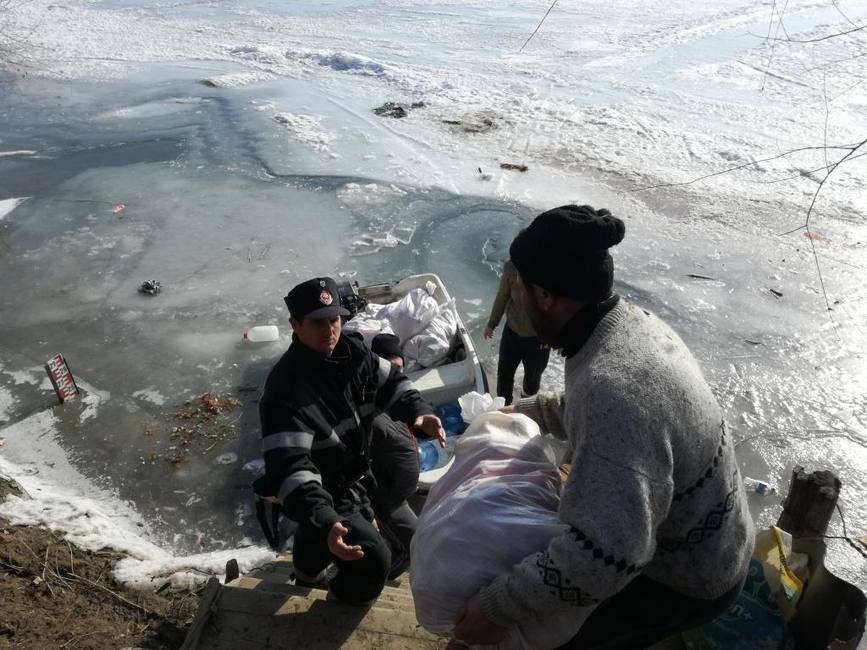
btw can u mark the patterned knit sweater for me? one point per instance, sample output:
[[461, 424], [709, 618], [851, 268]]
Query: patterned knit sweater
[[654, 487]]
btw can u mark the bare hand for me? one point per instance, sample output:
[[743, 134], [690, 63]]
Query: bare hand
[[511, 408], [339, 548], [432, 426], [473, 626], [489, 332]]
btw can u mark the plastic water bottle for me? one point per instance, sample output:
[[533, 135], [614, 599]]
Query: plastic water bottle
[[262, 334], [450, 416], [759, 487], [428, 454], [454, 425]]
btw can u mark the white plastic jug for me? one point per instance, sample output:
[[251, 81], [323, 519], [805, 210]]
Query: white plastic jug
[[262, 334]]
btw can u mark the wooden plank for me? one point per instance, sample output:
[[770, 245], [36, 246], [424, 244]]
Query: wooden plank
[[234, 631], [388, 598], [241, 632], [283, 567], [284, 572], [203, 614], [298, 612]]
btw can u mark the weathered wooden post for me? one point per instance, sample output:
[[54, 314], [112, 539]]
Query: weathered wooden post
[[810, 503], [831, 612]]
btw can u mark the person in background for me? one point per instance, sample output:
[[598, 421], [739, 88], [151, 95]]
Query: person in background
[[660, 535], [388, 347], [316, 411], [519, 343]]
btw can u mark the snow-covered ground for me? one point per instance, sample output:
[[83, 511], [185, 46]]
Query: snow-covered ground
[[229, 149]]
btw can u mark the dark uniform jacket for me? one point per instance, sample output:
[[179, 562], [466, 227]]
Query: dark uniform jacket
[[316, 415]]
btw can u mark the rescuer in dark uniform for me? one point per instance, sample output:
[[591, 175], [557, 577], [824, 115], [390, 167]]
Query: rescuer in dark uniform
[[317, 410]]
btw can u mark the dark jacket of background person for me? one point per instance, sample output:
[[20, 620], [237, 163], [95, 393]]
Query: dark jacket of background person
[[509, 300]]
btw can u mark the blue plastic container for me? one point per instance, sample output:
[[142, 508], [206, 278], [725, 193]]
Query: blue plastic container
[[428, 454], [450, 416]]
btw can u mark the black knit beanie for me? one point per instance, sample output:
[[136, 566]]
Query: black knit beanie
[[565, 251], [386, 346]]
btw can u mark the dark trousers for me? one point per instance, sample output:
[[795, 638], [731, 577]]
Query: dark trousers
[[646, 612], [514, 350], [357, 581], [397, 527], [394, 464]]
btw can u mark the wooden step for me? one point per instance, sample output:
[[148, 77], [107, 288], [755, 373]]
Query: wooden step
[[390, 597], [265, 609], [250, 617]]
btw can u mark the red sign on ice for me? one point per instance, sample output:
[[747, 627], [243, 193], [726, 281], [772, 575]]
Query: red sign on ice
[[61, 378]]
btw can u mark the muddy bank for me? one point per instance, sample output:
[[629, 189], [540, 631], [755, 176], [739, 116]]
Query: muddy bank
[[55, 595]]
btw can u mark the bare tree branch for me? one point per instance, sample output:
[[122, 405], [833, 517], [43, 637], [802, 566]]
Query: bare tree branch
[[537, 26], [829, 64], [728, 170], [788, 39], [774, 40], [807, 173]]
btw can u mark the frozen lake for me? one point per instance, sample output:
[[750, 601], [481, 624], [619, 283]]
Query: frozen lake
[[230, 150]]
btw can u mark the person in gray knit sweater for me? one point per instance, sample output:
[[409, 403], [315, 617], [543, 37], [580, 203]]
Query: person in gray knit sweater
[[660, 534]]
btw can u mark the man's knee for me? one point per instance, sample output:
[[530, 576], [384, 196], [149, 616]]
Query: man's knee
[[360, 581], [377, 557]]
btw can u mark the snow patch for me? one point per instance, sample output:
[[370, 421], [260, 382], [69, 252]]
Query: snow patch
[[150, 395], [308, 130], [237, 79], [187, 571], [344, 62], [91, 400], [7, 205], [369, 193], [6, 403], [24, 376], [57, 497]]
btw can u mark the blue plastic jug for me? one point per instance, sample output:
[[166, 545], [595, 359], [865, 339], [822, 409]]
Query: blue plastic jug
[[450, 416], [428, 454]]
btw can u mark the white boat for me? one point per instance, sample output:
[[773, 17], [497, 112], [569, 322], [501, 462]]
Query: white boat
[[445, 383]]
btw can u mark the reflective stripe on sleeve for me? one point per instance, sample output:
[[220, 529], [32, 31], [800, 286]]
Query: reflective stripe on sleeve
[[296, 480], [331, 441], [295, 439]]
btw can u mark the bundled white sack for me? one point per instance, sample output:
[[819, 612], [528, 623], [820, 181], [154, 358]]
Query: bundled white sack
[[473, 404], [432, 346], [495, 506], [366, 324], [412, 313]]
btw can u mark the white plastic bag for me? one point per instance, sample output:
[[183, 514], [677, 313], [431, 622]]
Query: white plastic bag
[[368, 327], [496, 505], [474, 404], [432, 346], [411, 314]]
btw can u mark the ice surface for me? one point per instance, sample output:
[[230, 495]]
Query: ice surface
[[241, 141]]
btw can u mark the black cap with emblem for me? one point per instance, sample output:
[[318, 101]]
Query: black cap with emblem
[[316, 298]]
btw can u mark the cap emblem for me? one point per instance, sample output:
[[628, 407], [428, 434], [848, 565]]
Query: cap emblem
[[325, 297]]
